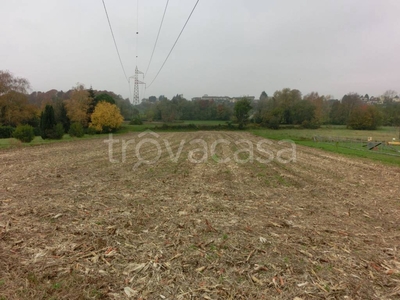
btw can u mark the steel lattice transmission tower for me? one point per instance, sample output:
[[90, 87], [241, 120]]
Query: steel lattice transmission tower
[[136, 100]]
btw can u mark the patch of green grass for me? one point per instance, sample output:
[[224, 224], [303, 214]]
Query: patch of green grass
[[372, 155], [182, 122], [381, 134], [56, 286], [126, 128], [205, 122], [281, 180], [215, 158], [7, 143], [327, 288], [4, 143], [96, 294], [286, 260], [304, 137], [318, 267], [193, 247]]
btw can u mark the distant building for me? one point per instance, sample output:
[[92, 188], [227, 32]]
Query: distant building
[[218, 99], [236, 99], [221, 99], [372, 100]]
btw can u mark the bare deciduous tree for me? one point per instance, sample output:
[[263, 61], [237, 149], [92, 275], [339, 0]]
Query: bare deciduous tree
[[8, 83]]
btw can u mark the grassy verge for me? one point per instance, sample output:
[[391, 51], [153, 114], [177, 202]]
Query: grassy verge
[[381, 134], [205, 122], [11, 142], [304, 137], [125, 128]]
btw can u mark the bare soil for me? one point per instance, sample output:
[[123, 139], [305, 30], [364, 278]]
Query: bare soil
[[73, 225]]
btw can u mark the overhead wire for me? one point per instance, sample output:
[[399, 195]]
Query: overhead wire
[[115, 43], [137, 31], [174, 44], [158, 34], [137, 46]]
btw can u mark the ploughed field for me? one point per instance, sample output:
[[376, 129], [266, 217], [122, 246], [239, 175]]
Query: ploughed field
[[79, 221]]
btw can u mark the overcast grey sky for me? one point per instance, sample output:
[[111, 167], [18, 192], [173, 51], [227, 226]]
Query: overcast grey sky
[[229, 47]]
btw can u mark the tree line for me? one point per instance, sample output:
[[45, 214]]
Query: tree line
[[178, 108], [284, 107], [54, 113], [289, 107]]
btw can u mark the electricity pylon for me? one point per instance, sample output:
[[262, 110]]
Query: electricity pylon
[[136, 100]]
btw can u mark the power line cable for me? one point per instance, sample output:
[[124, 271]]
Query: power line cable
[[115, 43], [175, 43], [137, 31], [158, 34]]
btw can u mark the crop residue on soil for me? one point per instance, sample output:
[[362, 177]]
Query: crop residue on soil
[[75, 226]]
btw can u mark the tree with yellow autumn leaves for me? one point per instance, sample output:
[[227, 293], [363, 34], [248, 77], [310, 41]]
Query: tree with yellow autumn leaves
[[106, 117], [93, 111], [77, 105]]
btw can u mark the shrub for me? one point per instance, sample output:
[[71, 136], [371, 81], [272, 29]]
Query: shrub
[[56, 133], [24, 133], [106, 117], [6, 132], [59, 131], [76, 129], [191, 126], [366, 117], [37, 131], [273, 123], [91, 131], [310, 124], [47, 122], [136, 121], [241, 109]]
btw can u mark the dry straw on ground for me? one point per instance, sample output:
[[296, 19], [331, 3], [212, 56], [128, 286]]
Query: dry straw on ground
[[75, 226]]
